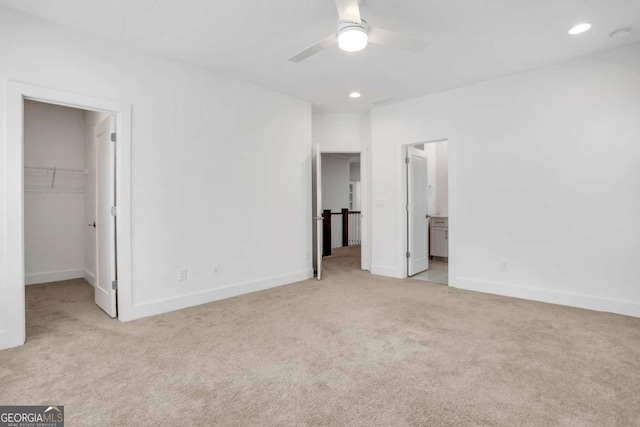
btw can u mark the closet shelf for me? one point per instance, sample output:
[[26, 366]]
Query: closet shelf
[[54, 179]]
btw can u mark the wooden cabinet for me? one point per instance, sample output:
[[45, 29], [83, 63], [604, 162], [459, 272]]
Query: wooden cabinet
[[439, 237]]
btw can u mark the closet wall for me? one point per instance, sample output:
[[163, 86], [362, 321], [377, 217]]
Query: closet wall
[[335, 182], [55, 223], [438, 176]]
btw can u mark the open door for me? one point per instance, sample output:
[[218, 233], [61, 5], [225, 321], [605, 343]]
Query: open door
[[417, 216], [106, 278], [318, 218]]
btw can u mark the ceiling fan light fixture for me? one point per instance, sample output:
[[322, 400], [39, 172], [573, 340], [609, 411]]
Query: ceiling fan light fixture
[[352, 38]]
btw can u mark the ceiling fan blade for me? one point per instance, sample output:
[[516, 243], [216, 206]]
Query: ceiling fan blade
[[393, 39], [315, 48], [348, 11]]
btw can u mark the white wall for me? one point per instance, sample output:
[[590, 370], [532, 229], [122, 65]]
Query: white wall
[[354, 171], [545, 175], [209, 181], [341, 133], [53, 221], [442, 177], [437, 177], [432, 189], [335, 182]]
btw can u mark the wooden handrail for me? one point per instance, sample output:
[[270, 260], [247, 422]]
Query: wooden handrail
[[351, 212]]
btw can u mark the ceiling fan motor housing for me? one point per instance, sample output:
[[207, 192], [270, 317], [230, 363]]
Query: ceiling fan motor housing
[[344, 25]]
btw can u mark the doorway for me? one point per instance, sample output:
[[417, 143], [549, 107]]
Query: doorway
[[427, 207], [341, 208], [71, 180], [69, 190], [340, 201]]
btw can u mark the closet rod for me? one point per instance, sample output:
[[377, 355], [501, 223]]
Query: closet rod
[[56, 168]]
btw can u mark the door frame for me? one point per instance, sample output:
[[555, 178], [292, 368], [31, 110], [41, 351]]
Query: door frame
[[13, 265], [451, 207], [365, 201]]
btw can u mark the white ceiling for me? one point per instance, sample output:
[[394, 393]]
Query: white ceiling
[[470, 40]]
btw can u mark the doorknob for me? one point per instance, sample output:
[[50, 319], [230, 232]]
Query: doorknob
[[93, 225]]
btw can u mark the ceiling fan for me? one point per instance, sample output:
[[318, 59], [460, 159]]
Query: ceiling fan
[[354, 33]]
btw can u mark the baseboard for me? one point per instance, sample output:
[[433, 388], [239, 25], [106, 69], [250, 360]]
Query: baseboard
[[383, 270], [184, 301], [589, 302], [8, 340], [89, 277], [53, 276]]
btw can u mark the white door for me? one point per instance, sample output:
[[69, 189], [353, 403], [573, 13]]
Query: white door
[[318, 214], [417, 217], [105, 294]]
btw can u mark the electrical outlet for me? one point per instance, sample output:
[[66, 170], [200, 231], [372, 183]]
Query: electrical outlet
[[182, 274], [216, 269], [504, 265]]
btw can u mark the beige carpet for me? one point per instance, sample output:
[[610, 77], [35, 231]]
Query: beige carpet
[[354, 349]]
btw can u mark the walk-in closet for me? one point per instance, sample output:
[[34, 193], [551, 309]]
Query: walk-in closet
[[60, 201]]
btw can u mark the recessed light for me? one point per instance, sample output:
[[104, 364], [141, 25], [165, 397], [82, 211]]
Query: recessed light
[[354, 95], [580, 28]]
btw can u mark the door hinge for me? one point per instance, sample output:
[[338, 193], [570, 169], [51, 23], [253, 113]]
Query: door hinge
[[407, 160], [114, 285], [113, 137], [408, 254], [114, 210]]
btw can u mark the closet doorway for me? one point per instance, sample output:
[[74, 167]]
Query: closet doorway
[[12, 176], [69, 203]]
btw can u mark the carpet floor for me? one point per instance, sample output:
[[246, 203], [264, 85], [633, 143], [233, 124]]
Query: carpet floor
[[354, 349]]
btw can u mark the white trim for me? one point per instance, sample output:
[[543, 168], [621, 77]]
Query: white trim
[[365, 208], [13, 225], [7, 337], [388, 271], [53, 276], [588, 302], [89, 277], [197, 298]]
